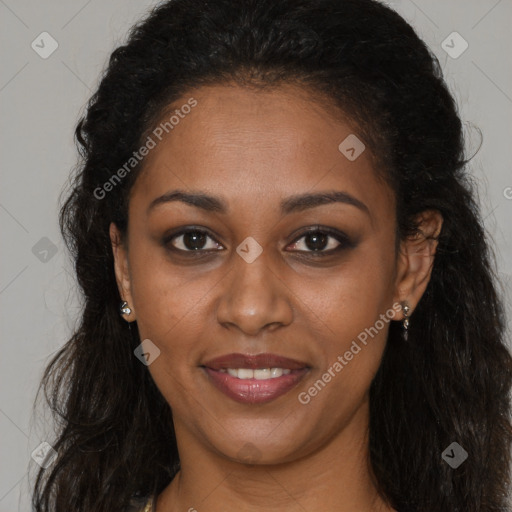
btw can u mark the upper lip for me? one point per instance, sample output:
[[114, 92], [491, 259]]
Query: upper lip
[[254, 361]]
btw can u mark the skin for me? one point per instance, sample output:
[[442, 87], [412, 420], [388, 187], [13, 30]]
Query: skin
[[253, 149]]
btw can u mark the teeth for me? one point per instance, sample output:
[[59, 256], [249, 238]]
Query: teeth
[[242, 373], [264, 373], [260, 373]]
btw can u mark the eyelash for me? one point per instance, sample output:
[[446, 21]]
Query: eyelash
[[344, 241]]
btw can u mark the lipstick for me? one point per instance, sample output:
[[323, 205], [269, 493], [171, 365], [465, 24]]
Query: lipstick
[[254, 379]]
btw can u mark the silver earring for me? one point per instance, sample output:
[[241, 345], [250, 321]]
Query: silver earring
[[124, 309], [405, 323]]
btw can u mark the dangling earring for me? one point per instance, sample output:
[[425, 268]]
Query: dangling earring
[[405, 323], [124, 309]]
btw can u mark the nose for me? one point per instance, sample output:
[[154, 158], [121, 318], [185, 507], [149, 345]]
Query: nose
[[254, 297]]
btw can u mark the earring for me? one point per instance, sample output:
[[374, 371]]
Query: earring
[[124, 309], [405, 323]]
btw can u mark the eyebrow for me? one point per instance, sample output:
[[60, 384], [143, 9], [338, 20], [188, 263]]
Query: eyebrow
[[289, 205]]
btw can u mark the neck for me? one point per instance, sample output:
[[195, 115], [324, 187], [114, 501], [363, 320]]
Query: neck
[[336, 477]]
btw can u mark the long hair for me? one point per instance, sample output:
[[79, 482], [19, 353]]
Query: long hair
[[449, 383]]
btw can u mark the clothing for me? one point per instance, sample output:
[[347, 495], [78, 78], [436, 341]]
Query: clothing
[[142, 504]]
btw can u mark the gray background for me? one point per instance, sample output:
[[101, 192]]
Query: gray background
[[40, 102]]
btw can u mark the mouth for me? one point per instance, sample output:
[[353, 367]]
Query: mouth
[[254, 379]]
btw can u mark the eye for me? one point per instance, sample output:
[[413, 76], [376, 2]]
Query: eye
[[191, 240], [318, 241], [322, 241]]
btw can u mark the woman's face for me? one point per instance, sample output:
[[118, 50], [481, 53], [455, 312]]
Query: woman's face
[[257, 282]]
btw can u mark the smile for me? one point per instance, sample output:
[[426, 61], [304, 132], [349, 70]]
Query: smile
[[259, 374], [254, 378]]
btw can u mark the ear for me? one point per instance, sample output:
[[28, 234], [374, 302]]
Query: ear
[[416, 260], [122, 270]]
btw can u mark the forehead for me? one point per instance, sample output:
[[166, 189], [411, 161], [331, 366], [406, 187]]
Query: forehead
[[246, 144]]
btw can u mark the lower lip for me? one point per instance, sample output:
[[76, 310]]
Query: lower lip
[[255, 391]]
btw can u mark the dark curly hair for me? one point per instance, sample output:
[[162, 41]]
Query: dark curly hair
[[450, 382]]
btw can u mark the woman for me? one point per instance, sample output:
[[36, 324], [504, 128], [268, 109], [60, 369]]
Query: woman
[[288, 295]]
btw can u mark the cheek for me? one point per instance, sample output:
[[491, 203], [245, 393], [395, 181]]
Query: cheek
[[353, 295], [354, 306], [164, 297]]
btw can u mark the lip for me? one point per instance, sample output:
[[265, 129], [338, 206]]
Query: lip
[[264, 360], [254, 391]]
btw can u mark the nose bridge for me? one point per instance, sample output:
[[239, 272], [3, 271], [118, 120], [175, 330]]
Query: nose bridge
[[253, 296]]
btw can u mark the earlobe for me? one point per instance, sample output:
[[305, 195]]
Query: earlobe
[[122, 273], [416, 259]]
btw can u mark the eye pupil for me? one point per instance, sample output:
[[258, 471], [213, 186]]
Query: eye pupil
[[319, 241], [194, 240]]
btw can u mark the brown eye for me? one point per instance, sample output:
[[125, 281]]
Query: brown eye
[[191, 240], [322, 241]]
